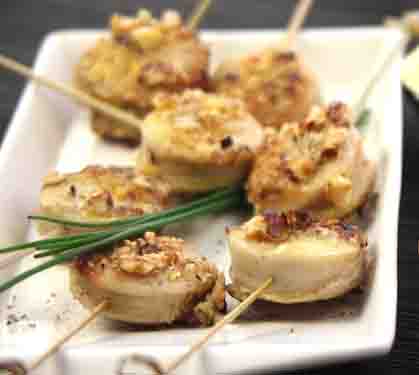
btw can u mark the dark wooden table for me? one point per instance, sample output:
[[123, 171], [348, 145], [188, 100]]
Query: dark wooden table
[[24, 23]]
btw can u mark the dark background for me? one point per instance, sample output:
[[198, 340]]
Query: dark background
[[23, 24]]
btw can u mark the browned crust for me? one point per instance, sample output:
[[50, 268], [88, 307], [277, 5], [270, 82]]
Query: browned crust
[[274, 227], [122, 71], [292, 156], [112, 130], [212, 118], [163, 258], [276, 86], [100, 194]]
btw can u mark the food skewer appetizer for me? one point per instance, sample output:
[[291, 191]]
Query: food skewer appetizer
[[313, 248], [99, 194], [142, 58], [109, 120], [66, 248], [154, 280], [317, 165], [275, 84], [198, 141], [285, 259], [151, 280], [229, 318], [309, 260], [346, 245]]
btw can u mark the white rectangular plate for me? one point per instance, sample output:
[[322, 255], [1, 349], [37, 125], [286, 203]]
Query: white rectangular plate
[[49, 131]]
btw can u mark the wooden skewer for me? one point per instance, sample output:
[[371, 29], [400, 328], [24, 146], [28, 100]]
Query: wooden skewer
[[56, 346], [80, 96], [229, 318], [70, 91], [296, 22], [198, 14]]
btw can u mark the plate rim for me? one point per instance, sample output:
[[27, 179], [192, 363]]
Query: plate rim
[[382, 342]]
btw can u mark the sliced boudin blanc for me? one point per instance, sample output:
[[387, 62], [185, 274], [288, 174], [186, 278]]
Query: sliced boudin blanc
[[143, 57], [315, 165], [100, 194], [308, 260], [276, 86], [151, 280], [198, 141]]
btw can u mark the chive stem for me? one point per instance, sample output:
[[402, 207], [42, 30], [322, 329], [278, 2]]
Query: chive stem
[[363, 119], [65, 251]]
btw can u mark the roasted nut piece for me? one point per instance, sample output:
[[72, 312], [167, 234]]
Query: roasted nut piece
[[198, 141], [150, 281], [308, 260], [316, 165], [144, 56], [100, 194], [276, 86]]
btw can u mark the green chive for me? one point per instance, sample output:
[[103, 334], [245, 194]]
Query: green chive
[[137, 219], [67, 250], [363, 119]]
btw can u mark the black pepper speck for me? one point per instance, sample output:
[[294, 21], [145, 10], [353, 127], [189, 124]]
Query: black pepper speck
[[226, 142]]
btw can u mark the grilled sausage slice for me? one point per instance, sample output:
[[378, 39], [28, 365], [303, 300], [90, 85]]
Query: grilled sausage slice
[[199, 142], [277, 86], [152, 281], [308, 260], [316, 165], [99, 194], [143, 57]]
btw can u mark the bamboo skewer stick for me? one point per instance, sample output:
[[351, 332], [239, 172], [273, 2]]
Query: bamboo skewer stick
[[103, 107], [56, 346], [86, 99], [296, 22], [229, 318], [198, 14], [71, 92]]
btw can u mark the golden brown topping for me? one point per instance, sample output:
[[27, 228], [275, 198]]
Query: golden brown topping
[[144, 57], [142, 257], [150, 280], [103, 193], [273, 227], [275, 85], [150, 254], [210, 109], [145, 32], [296, 153], [201, 128]]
